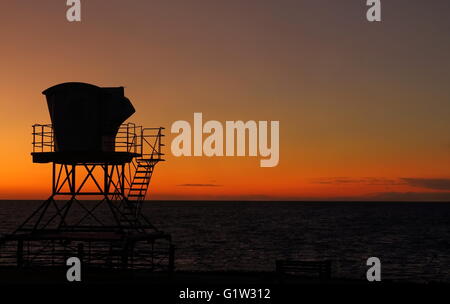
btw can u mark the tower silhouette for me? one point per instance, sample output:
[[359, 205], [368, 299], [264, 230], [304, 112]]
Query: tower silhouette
[[98, 157]]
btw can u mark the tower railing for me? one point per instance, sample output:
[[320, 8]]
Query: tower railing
[[127, 138], [146, 142], [43, 140], [151, 144]]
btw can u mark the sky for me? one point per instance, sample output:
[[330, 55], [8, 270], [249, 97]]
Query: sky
[[363, 107]]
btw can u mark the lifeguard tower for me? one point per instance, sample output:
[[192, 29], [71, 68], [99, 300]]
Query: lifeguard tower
[[101, 171]]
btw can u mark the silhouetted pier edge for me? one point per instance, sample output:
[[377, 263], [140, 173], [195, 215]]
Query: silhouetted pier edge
[[57, 275], [139, 277]]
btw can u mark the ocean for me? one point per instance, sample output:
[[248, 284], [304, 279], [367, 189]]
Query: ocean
[[412, 240]]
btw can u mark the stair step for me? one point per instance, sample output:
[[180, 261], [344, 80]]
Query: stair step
[[142, 177], [136, 195], [139, 183]]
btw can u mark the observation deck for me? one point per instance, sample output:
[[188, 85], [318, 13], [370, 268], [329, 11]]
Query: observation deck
[[131, 142]]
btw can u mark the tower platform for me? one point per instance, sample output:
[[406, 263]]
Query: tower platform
[[115, 158]]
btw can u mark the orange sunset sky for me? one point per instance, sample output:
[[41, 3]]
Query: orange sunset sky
[[363, 107]]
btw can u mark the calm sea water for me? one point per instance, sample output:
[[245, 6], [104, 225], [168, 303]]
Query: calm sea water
[[411, 239]]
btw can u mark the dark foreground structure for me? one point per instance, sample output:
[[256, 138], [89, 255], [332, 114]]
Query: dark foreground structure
[[94, 155]]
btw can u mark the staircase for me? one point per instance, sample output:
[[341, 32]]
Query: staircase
[[147, 143], [141, 180]]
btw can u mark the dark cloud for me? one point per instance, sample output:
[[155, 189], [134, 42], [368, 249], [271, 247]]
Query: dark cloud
[[372, 181], [199, 185], [410, 196], [429, 183]]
